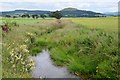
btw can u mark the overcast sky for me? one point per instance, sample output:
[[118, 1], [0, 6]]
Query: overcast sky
[[92, 5]]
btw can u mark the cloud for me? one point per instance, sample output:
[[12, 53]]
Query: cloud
[[42, 1], [94, 5]]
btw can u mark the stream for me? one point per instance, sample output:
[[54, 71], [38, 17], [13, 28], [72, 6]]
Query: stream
[[46, 69]]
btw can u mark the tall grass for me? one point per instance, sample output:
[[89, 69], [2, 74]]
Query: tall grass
[[0, 53], [87, 52], [90, 52], [15, 53]]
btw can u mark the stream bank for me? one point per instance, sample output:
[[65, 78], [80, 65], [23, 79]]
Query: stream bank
[[46, 69]]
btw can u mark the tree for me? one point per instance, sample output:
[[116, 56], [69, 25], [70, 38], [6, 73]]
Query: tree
[[56, 14], [35, 16], [43, 16], [8, 16], [14, 16], [25, 15]]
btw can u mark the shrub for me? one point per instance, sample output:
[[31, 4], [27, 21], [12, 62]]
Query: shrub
[[6, 27], [56, 14]]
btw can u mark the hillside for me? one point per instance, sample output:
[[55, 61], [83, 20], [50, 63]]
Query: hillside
[[73, 12], [20, 12], [66, 12], [112, 13], [69, 9]]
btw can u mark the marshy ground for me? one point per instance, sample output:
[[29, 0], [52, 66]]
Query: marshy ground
[[88, 47], [45, 68]]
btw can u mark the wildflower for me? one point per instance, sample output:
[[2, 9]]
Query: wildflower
[[11, 62], [31, 64], [23, 62], [17, 54], [30, 34], [76, 73], [12, 54], [13, 66], [26, 40], [21, 59], [23, 46], [26, 50], [26, 69]]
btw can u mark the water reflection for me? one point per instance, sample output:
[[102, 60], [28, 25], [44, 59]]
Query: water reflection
[[44, 68]]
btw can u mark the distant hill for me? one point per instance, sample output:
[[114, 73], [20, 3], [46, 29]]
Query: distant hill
[[66, 12], [112, 13], [20, 12], [69, 9], [73, 12]]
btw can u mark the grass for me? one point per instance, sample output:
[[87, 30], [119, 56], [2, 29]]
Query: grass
[[12, 41], [87, 46], [0, 54], [107, 24], [83, 51], [22, 35], [25, 21]]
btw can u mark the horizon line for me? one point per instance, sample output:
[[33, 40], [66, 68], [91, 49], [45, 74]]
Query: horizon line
[[52, 10]]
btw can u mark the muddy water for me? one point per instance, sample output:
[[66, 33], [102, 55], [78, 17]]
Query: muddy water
[[44, 68]]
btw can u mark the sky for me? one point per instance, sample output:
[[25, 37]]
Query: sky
[[52, 5]]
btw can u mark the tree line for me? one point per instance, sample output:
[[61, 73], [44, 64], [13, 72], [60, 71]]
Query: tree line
[[56, 14]]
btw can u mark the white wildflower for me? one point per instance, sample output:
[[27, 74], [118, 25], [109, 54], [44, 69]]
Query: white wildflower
[[13, 66]]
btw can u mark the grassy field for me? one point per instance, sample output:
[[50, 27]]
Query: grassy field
[[24, 20], [107, 24], [0, 53], [87, 46]]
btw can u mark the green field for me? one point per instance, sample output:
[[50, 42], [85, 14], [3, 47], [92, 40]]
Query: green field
[[108, 24], [87, 46], [24, 20], [0, 54]]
